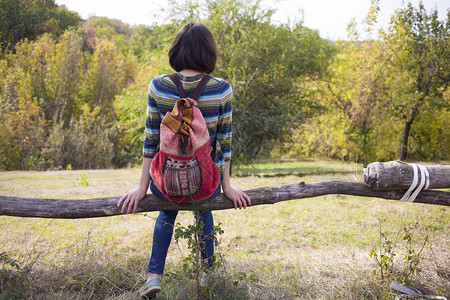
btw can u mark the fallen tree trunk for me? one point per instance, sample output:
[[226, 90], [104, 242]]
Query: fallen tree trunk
[[397, 175], [102, 207]]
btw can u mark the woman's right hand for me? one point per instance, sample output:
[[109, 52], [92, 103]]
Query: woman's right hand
[[237, 196], [130, 200]]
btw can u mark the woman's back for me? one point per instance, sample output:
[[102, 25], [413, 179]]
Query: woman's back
[[215, 103]]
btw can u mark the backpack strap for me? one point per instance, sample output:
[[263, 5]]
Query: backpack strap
[[184, 106], [198, 90], [200, 87]]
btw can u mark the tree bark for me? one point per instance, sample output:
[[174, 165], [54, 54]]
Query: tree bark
[[404, 145], [397, 175], [103, 207]]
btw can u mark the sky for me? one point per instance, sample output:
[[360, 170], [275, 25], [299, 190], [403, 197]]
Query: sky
[[329, 17]]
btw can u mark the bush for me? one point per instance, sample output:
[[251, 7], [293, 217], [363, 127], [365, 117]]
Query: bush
[[82, 145], [11, 277]]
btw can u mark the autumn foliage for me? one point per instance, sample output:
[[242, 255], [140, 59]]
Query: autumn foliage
[[73, 92]]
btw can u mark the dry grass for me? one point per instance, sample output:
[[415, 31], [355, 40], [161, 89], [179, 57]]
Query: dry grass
[[303, 249]]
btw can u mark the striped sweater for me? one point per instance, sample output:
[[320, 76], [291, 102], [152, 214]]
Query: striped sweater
[[215, 103]]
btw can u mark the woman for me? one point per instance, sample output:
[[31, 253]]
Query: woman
[[193, 53]]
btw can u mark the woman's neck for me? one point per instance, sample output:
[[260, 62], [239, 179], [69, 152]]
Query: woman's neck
[[189, 72]]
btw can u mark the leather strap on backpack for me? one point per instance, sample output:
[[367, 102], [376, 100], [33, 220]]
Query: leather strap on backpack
[[170, 119], [198, 90]]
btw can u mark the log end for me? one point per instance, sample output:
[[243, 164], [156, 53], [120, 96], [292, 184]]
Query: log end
[[371, 174], [388, 175]]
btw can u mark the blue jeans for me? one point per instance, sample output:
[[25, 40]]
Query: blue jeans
[[162, 237]]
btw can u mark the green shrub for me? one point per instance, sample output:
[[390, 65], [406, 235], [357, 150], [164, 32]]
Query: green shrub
[[11, 277], [82, 145]]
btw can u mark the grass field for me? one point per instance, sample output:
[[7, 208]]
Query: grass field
[[315, 248]]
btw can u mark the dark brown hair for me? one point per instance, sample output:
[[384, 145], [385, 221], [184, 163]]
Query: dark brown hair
[[193, 48]]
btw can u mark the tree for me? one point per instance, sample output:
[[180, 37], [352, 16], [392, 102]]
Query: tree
[[61, 19], [378, 86], [21, 127], [54, 69], [67, 72], [418, 46], [264, 63], [356, 85], [108, 72], [21, 19], [148, 40]]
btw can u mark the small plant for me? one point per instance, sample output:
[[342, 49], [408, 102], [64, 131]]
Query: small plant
[[244, 280], [83, 181], [192, 234], [11, 277], [412, 258], [383, 253], [386, 250]]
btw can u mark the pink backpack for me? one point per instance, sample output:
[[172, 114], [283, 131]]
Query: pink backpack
[[182, 169]]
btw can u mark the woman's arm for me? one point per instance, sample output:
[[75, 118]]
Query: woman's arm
[[151, 140], [132, 198], [238, 197]]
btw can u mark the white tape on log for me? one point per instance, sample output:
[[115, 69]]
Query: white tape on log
[[424, 183]]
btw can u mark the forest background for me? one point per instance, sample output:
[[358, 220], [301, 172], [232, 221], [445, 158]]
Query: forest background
[[73, 92]]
